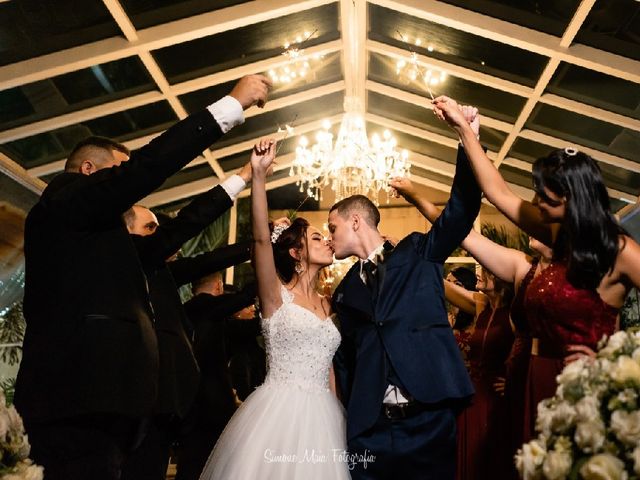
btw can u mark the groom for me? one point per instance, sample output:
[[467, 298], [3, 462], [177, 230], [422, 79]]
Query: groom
[[399, 371]]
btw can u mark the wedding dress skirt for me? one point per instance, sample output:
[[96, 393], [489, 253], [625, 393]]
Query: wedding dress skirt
[[291, 427]]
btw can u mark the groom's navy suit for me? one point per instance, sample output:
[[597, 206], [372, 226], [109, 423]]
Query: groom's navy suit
[[398, 333]]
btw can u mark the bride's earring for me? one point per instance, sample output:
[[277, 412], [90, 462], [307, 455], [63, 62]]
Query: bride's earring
[[299, 268]]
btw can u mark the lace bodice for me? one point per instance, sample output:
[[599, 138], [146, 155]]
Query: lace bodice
[[300, 346]]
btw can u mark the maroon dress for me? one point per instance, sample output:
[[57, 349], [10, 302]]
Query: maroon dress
[[482, 427], [463, 338], [559, 315], [518, 361]]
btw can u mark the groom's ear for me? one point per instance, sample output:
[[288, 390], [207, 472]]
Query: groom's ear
[[355, 221]]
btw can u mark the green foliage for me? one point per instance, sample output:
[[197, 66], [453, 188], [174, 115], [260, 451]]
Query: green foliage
[[630, 311], [8, 386], [12, 327], [212, 237], [243, 231]]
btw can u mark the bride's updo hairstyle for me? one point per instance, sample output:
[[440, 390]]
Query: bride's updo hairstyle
[[293, 237]]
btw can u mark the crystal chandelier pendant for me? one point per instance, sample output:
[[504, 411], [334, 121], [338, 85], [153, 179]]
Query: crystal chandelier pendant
[[352, 165]]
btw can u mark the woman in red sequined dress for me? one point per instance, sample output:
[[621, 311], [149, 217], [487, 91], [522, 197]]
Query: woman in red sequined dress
[[575, 301]]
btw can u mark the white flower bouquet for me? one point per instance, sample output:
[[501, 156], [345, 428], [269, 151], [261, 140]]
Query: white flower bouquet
[[590, 429], [14, 447]]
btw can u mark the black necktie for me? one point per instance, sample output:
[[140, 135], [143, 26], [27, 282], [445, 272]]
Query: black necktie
[[370, 269]]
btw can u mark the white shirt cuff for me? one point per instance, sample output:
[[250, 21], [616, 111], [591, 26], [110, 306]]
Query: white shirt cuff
[[227, 112], [233, 186]]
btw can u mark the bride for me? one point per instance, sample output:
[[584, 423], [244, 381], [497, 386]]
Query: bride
[[292, 426]]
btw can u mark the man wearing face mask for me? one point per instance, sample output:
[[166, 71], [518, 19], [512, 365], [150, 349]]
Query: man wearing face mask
[[158, 242]]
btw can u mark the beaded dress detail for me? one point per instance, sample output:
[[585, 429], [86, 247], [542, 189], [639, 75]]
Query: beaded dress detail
[[292, 426], [300, 346], [559, 315]]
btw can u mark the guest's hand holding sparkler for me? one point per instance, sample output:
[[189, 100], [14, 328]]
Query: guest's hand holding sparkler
[[251, 90]]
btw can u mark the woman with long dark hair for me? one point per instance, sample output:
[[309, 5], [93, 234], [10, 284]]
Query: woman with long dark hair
[[292, 426], [573, 303]]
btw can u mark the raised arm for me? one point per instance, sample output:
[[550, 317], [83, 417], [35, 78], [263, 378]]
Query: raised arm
[[507, 264], [519, 211], [107, 193], [187, 269], [154, 249], [205, 307], [628, 265], [456, 220], [459, 296], [269, 283]]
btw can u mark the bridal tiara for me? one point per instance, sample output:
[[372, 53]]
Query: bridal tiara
[[277, 231]]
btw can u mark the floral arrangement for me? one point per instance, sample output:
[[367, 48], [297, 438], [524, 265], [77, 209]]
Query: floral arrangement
[[14, 447], [590, 429]]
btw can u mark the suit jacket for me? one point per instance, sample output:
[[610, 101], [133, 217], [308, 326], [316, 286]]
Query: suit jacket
[[403, 325], [90, 345], [178, 372], [215, 401]]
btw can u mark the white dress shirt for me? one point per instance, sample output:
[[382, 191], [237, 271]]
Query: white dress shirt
[[392, 395], [228, 113]]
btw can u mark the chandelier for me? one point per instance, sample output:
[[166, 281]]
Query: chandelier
[[352, 164]]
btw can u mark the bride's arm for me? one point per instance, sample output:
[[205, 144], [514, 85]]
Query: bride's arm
[[262, 157]]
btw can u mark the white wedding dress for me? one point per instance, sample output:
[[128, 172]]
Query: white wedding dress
[[291, 427]]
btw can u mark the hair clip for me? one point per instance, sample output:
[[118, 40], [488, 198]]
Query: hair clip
[[277, 231], [571, 151]]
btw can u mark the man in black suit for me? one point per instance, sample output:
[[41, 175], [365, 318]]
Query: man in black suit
[[178, 372], [215, 402], [398, 368], [89, 372]]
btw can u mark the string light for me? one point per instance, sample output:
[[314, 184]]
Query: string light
[[411, 69], [298, 64]]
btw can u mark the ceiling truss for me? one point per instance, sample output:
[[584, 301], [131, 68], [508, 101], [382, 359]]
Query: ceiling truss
[[355, 47]]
